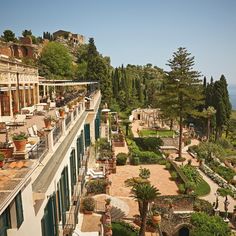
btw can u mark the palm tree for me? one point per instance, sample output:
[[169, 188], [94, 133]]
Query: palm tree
[[144, 194]]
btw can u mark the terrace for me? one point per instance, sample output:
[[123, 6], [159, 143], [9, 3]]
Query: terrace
[[19, 168]]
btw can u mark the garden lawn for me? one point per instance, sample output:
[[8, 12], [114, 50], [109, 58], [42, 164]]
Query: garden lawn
[[160, 133]]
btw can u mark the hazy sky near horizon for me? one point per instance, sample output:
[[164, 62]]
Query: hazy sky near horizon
[[138, 31]]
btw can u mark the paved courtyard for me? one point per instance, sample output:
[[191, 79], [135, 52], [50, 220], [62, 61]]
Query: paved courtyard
[[160, 178]]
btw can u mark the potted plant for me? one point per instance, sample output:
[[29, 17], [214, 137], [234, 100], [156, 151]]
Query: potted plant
[[70, 106], [20, 140], [1, 159], [48, 121], [88, 204], [62, 112], [6, 149]]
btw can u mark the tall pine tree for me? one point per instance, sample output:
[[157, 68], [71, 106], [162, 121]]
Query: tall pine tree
[[182, 89]]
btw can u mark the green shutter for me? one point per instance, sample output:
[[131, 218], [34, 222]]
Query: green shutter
[[97, 126], [87, 134], [82, 143], [72, 170], [63, 197], [59, 200], [19, 210], [78, 155], [67, 190], [5, 222]]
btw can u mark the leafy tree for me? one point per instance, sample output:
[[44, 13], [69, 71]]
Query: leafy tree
[[208, 225], [55, 61], [207, 150], [47, 35], [8, 36], [182, 89], [26, 33]]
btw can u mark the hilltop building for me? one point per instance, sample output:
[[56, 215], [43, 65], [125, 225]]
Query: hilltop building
[[68, 37]]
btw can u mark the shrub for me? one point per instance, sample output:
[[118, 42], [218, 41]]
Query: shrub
[[162, 162], [201, 205], [121, 159], [174, 175], [180, 159], [88, 203], [96, 186], [168, 165], [124, 229], [144, 173], [149, 144], [181, 188], [135, 161]]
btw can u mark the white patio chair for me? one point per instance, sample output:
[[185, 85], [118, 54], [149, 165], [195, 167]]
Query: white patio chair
[[36, 131], [20, 119]]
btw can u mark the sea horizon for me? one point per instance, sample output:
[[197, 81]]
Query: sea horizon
[[232, 95]]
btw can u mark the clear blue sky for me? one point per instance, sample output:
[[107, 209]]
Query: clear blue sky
[[138, 31]]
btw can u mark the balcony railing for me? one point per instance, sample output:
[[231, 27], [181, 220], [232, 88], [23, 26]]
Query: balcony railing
[[39, 151], [68, 120], [57, 132]]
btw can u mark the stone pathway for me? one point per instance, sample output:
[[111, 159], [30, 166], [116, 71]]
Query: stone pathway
[[211, 196]]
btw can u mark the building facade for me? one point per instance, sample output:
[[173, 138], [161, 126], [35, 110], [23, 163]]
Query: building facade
[[19, 86], [42, 199]]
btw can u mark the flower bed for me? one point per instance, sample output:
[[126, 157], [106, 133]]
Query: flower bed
[[217, 179]]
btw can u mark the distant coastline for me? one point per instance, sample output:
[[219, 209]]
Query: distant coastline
[[232, 95]]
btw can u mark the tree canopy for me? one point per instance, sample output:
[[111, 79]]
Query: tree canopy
[[208, 225], [55, 61], [8, 36], [181, 92]]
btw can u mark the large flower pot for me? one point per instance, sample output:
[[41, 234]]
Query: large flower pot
[[1, 164], [156, 219], [20, 145], [48, 124], [62, 113], [7, 152]]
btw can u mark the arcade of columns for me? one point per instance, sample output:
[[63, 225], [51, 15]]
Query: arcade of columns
[[19, 86]]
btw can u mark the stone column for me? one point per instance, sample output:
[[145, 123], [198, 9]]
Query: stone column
[[23, 95], [10, 100], [29, 94]]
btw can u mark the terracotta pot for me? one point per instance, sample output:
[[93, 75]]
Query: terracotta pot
[[156, 219], [7, 152], [1, 164], [47, 124], [62, 113], [20, 145]]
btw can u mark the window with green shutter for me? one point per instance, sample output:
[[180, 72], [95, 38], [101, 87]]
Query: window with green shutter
[[5, 222], [97, 126], [49, 221], [78, 150], [82, 142], [87, 134], [19, 210], [72, 170]]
